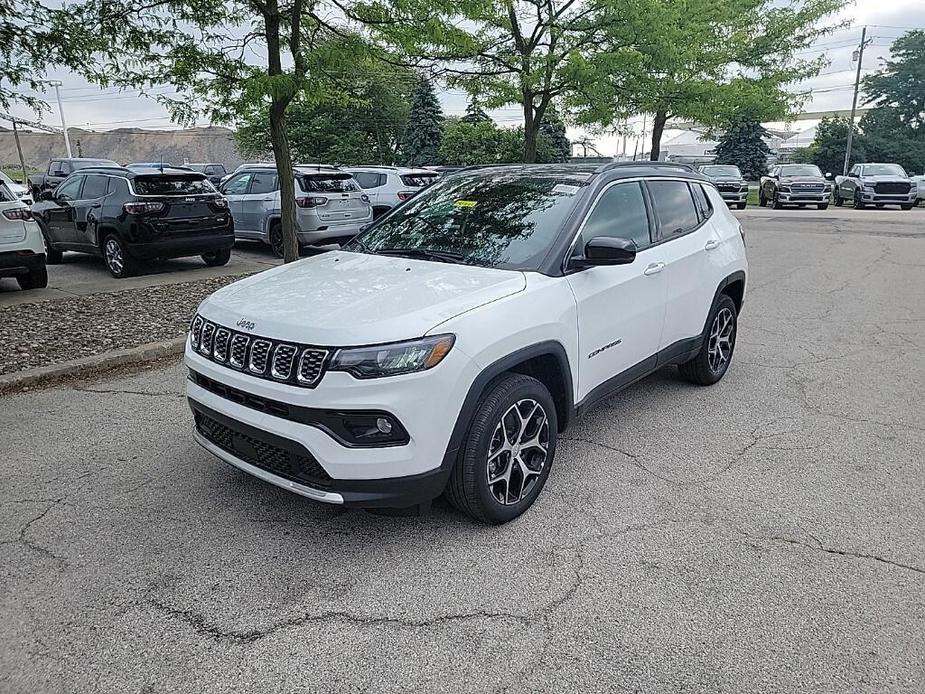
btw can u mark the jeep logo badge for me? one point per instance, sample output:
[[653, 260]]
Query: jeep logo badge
[[245, 324]]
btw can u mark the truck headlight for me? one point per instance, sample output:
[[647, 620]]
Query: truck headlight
[[393, 359]]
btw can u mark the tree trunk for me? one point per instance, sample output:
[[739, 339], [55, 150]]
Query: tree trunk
[[280, 141], [658, 127], [531, 129]]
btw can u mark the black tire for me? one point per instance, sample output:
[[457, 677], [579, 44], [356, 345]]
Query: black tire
[[762, 201], [856, 201], [839, 200], [275, 239], [701, 369], [52, 257], [36, 279], [217, 258], [468, 488], [776, 203], [741, 205], [822, 206], [907, 207], [119, 263]]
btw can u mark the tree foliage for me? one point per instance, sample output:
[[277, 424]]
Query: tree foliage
[[425, 126], [743, 144], [475, 114], [827, 150], [900, 83], [555, 141]]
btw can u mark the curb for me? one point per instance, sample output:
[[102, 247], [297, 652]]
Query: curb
[[86, 366]]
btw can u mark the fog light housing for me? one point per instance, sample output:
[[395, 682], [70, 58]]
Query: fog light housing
[[372, 429]]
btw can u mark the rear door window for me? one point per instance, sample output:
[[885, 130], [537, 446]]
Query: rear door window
[[263, 182], [173, 185], [674, 207], [95, 186]]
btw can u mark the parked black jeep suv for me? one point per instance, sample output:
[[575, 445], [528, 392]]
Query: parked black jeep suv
[[128, 217]]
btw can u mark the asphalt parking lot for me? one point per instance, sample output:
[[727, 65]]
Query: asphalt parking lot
[[766, 534]]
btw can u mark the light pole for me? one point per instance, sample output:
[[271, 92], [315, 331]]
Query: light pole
[[67, 142], [854, 101]]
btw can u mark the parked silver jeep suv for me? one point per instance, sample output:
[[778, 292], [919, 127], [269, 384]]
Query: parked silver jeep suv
[[330, 207]]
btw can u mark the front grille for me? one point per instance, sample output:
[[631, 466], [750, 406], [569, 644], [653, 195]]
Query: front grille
[[295, 466], [807, 187], [263, 357], [893, 188], [729, 187]]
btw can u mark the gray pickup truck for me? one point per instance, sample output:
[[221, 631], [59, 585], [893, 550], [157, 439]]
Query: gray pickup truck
[[58, 170], [876, 184], [729, 181]]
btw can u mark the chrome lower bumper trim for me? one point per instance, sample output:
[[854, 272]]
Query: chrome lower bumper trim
[[310, 492]]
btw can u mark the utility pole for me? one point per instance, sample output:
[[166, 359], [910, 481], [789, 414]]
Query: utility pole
[[22, 162], [67, 143], [854, 101]]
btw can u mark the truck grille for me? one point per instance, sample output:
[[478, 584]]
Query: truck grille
[[893, 188], [295, 466], [807, 187], [259, 356]]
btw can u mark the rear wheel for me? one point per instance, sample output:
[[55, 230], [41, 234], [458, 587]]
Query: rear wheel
[[715, 355], [508, 451], [276, 239], [119, 263], [217, 258], [36, 279]]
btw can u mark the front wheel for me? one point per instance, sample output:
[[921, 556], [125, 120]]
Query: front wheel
[[823, 206], [839, 200], [857, 203], [776, 203], [741, 205], [119, 263], [715, 355], [907, 207], [762, 201], [508, 451], [217, 258]]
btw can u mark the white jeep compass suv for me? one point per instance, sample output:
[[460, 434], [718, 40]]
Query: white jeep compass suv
[[446, 347]]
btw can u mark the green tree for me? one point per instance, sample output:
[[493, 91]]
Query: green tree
[[466, 143], [827, 150], [743, 144], [887, 137], [425, 126], [900, 84], [556, 146], [475, 114], [703, 61]]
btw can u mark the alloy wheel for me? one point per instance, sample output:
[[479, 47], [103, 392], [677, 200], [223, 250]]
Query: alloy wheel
[[721, 336], [518, 451], [114, 258]]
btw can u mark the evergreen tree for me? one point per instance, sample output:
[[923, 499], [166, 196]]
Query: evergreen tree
[[556, 146], [828, 148], [743, 145], [475, 114], [425, 126]]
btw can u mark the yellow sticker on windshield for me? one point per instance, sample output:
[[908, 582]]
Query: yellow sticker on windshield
[[465, 203]]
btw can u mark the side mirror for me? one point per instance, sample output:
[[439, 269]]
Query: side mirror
[[47, 195], [608, 250], [828, 175]]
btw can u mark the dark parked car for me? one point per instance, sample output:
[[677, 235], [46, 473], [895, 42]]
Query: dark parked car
[[729, 181], [795, 184], [214, 172], [58, 170], [128, 217]]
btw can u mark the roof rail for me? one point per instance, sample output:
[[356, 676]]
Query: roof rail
[[646, 164]]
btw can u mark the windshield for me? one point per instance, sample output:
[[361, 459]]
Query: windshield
[[884, 170], [328, 183], [722, 171], [800, 170], [85, 163], [419, 180], [172, 185], [505, 220]]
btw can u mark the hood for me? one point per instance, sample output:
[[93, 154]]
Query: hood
[[727, 179], [340, 298]]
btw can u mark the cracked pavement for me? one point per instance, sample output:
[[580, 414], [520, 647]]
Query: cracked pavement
[[766, 534]]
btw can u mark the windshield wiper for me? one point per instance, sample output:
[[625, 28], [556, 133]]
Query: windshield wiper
[[426, 254]]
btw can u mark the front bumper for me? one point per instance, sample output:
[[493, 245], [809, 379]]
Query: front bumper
[[16, 263], [889, 199], [734, 197], [799, 197], [427, 404]]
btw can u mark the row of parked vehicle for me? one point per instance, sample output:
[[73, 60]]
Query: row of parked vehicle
[[131, 214]]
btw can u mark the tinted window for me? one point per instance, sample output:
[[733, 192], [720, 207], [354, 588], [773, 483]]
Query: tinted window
[[419, 180], [84, 163], [328, 183], [620, 212], [884, 170], [800, 170], [95, 187], [263, 182], [505, 219], [674, 207], [701, 201], [237, 185], [53, 166], [367, 180], [69, 189], [172, 185], [721, 170]]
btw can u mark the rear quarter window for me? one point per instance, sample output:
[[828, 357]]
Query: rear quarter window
[[418, 180], [172, 185], [337, 183], [674, 207]]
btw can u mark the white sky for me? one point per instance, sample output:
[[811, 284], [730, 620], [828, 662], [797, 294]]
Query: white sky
[[89, 107]]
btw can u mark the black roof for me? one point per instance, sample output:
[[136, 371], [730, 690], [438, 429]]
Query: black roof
[[615, 170], [142, 173]]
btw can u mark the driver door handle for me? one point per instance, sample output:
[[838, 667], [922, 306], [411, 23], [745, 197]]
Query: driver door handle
[[711, 244], [654, 269]]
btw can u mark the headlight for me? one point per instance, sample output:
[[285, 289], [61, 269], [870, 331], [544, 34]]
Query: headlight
[[393, 359]]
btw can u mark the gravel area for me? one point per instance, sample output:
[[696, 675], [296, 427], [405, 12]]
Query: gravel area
[[48, 332]]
